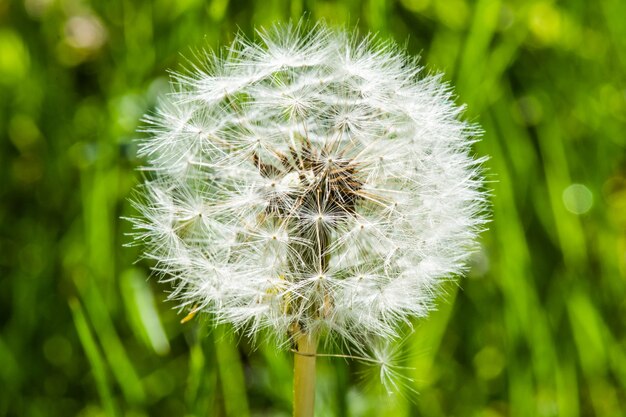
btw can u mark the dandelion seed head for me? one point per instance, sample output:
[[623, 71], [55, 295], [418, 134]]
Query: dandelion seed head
[[309, 179]]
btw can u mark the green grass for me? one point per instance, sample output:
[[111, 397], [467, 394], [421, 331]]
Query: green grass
[[536, 329]]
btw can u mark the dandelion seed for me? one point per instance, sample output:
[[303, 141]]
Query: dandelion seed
[[313, 184]]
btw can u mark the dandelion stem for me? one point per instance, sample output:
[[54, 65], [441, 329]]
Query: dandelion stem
[[304, 376]]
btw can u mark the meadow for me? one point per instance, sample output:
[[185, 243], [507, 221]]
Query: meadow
[[536, 328]]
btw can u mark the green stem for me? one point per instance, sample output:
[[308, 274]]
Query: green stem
[[304, 376]]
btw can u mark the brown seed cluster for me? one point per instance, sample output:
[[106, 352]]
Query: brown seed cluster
[[328, 184], [327, 193]]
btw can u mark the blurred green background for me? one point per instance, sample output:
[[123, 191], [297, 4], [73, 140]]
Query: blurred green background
[[536, 329]]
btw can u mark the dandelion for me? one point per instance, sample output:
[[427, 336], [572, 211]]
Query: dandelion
[[312, 186]]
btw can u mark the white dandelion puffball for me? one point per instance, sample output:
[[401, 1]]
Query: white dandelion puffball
[[309, 182]]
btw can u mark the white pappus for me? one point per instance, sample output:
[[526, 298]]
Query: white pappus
[[310, 182]]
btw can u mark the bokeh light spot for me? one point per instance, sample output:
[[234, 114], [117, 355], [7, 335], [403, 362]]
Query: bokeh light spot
[[57, 350], [14, 57], [545, 23], [577, 198], [85, 32], [489, 363]]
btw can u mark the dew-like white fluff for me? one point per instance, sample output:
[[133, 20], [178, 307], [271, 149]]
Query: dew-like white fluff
[[309, 180]]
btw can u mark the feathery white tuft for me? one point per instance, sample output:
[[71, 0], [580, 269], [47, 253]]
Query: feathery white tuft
[[310, 181]]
